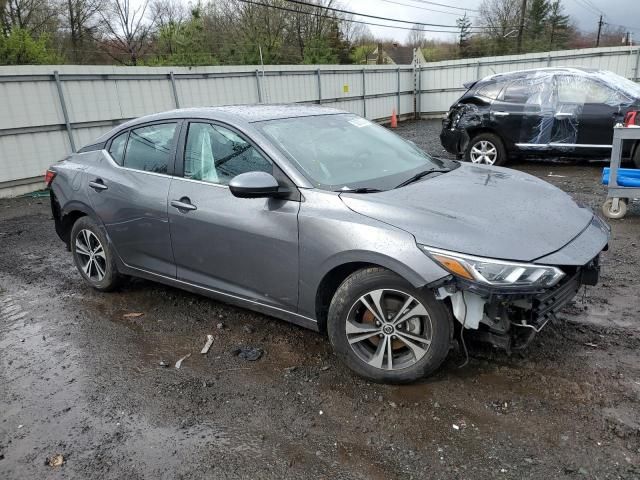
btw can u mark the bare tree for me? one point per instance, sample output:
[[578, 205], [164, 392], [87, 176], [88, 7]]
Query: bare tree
[[500, 17], [127, 30], [34, 16], [81, 18], [416, 37], [167, 12]]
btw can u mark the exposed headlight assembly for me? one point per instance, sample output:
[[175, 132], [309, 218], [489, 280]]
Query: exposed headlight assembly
[[495, 273]]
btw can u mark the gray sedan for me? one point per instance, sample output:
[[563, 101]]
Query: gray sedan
[[324, 219]]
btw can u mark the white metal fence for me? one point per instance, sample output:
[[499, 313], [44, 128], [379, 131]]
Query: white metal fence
[[48, 111]]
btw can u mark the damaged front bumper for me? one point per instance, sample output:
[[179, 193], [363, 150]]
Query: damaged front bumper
[[453, 139], [507, 318]]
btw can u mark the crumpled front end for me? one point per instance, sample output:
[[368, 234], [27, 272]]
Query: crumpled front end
[[454, 136], [509, 317]]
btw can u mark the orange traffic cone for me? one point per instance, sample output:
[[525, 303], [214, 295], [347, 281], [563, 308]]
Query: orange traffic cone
[[394, 119]]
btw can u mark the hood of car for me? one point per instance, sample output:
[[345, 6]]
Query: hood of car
[[485, 211]]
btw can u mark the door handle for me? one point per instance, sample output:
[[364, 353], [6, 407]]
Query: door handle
[[563, 115], [501, 114], [184, 204], [98, 185]]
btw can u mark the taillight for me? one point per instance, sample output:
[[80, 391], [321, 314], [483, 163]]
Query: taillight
[[48, 177]]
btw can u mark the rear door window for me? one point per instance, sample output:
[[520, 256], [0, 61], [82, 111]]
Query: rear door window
[[149, 148]]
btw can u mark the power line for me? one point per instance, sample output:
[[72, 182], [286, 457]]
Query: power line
[[444, 5], [275, 7], [591, 9], [376, 17], [457, 14]]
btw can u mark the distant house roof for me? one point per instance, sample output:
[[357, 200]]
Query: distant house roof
[[396, 55], [400, 55]]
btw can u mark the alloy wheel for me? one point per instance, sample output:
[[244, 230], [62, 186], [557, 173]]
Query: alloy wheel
[[91, 255], [483, 152], [389, 329]]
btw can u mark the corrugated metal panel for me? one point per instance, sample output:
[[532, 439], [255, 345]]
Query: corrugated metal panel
[[32, 134], [29, 103], [29, 155]]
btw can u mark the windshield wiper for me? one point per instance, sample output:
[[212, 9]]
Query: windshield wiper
[[358, 190], [419, 175]]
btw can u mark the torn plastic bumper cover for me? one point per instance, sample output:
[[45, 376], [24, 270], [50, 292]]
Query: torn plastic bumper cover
[[510, 319], [506, 303]]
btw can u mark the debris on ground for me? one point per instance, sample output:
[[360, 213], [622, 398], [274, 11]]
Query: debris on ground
[[179, 362], [163, 364], [55, 461], [248, 329], [250, 354], [220, 326], [325, 368], [133, 315], [207, 345]]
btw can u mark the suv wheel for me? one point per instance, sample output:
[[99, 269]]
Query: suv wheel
[[386, 330], [486, 148], [93, 255]]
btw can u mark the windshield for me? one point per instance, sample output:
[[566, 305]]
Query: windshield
[[346, 152]]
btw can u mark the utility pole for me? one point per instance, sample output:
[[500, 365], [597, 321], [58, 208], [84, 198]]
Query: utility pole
[[523, 12], [600, 22]]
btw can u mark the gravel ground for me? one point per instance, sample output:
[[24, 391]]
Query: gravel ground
[[81, 376]]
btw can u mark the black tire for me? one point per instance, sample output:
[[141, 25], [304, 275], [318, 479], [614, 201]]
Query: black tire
[[105, 263], [342, 307], [492, 139]]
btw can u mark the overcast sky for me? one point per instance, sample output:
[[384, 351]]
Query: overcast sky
[[584, 13]]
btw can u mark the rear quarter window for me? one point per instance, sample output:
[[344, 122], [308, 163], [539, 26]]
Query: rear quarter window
[[118, 146]]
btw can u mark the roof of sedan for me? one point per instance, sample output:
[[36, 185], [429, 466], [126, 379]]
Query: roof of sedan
[[247, 113], [231, 113]]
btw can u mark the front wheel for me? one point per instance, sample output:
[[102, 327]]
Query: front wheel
[[486, 148], [386, 330]]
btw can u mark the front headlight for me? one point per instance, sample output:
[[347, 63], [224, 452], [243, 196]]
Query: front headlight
[[497, 273]]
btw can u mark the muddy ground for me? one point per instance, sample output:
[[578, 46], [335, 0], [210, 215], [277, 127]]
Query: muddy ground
[[81, 378]]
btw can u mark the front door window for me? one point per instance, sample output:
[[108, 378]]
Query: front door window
[[216, 154]]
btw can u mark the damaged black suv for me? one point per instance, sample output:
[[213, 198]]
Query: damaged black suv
[[546, 112]]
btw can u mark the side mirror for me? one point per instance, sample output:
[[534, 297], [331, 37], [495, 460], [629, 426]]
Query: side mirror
[[254, 185]]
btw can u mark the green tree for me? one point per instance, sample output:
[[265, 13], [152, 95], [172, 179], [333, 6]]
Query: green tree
[[464, 24], [559, 29], [536, 22], [319, 51], [184, 43], [20, 48]]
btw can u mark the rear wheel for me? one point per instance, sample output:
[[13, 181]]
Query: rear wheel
[[386, 330], [486, 148], [93, 255]]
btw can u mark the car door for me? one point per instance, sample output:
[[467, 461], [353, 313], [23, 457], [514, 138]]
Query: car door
[[238, 246], [597, 109], [128, 190], [520, 113]]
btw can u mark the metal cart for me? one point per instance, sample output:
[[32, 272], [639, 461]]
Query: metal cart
[[618, 196]]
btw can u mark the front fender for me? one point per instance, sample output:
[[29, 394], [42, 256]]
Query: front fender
[[332, 235]]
